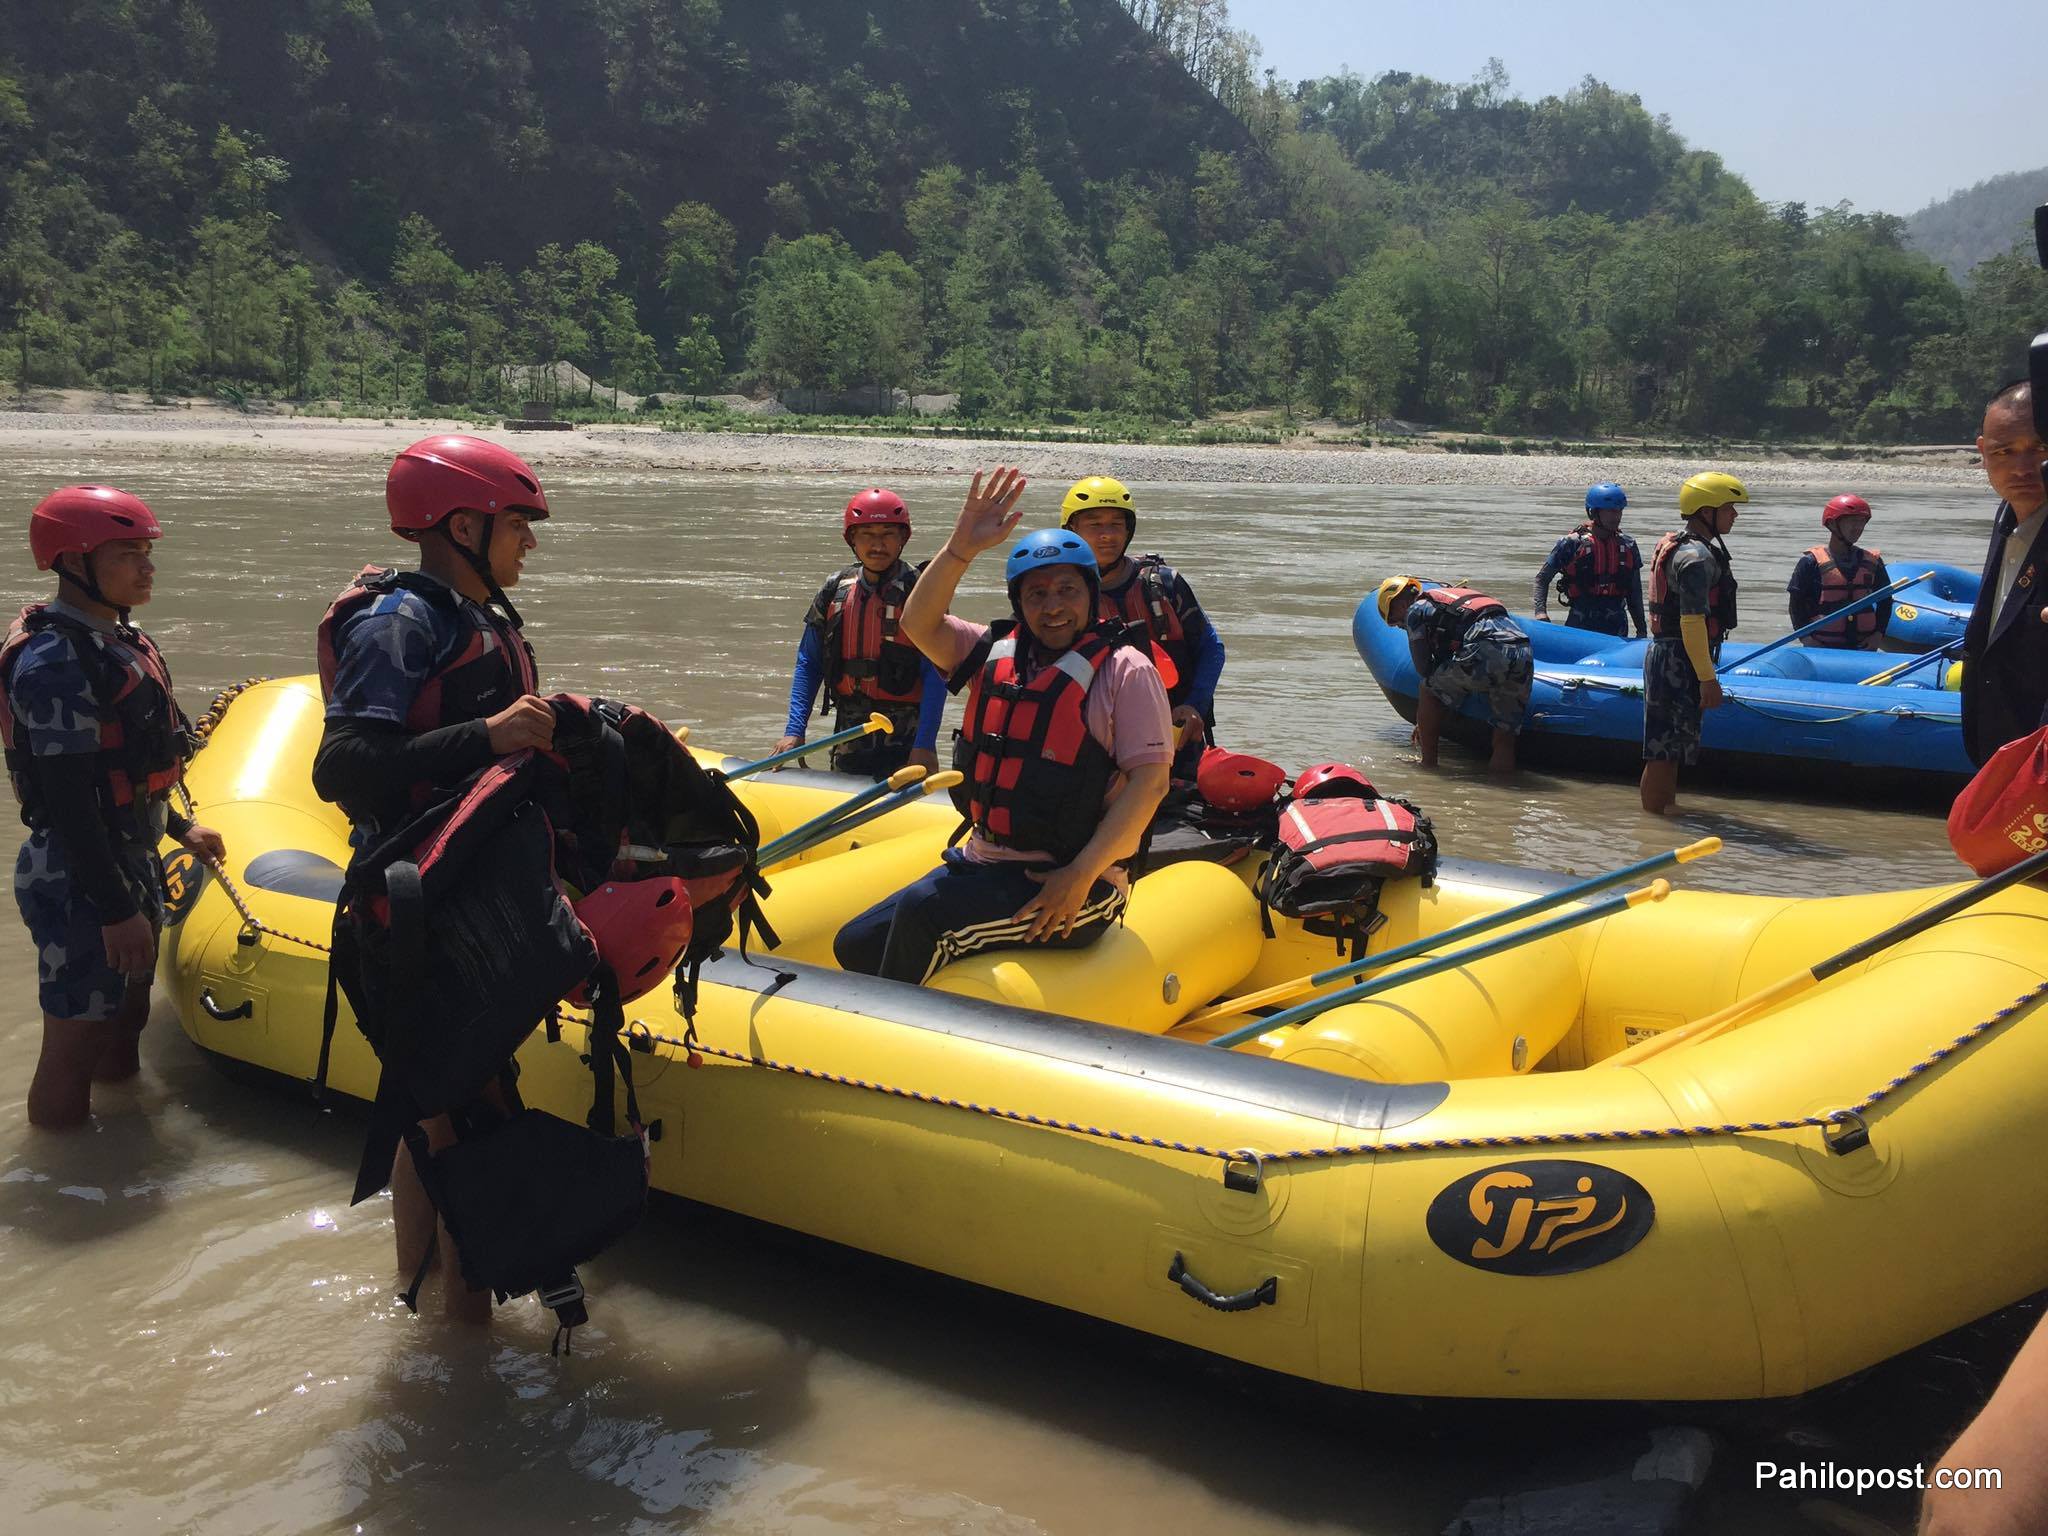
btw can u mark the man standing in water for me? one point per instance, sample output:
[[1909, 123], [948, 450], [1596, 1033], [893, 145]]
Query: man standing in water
[[2005, 645], [429, 680], [1064, 744], [1692, 606], [1598, 568], [1155, 602], [851, 649], [1837, 573], [95, 744]]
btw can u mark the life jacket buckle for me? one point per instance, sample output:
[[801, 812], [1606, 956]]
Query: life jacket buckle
[[562, 1293]]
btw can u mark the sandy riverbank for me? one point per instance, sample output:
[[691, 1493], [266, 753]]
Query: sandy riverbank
[[88, 439]]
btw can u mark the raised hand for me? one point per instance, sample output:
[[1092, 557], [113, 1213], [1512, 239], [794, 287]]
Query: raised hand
[[990, 512]]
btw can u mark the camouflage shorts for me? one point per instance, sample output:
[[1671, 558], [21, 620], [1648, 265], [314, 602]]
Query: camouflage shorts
[[1671, 705], [1500, 671], [73, 979]]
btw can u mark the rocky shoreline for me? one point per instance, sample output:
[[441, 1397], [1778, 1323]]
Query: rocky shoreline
[[211, 435]]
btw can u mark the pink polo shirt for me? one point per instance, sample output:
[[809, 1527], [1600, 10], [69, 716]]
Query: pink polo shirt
[[1126, 711]]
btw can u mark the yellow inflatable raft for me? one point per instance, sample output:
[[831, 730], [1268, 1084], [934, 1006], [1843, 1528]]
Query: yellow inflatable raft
[[1426, 1193]]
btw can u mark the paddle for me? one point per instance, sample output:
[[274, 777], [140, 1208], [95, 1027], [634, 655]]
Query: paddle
[[1904, 667], [1801, 981], [808, 831], [1282, 991], [868, 728], [1656, 890], [944, 779], [1804, 630]]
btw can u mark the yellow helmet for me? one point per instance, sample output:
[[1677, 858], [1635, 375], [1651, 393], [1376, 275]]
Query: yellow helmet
[[1712, 489], [1391, 589], [1098, 491]]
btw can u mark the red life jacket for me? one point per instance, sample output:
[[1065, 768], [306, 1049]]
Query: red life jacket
[[1664, 597], [1338, 844], [1599, 567], [1144, 606], [1837, 590], [491, 669], [1457, 610], [142, 747], [1035, 775], [864, 658]]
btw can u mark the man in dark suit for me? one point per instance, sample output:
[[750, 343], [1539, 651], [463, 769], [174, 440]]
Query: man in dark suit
[[2005, 647]]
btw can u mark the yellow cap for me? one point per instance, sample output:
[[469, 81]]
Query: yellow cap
[[1098, 491], [1392, 588], [1711, 489]]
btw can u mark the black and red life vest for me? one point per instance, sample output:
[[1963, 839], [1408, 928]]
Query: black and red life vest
[[866, 660], [143, 742], [1838, 589], [1457, 610], [1664, 615], [1340, 840], [1035, 775], [491, 669], [1601, 566], [1144, 606]]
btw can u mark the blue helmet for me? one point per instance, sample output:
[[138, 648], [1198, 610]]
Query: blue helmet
[[1044, 548], [1606, 496]]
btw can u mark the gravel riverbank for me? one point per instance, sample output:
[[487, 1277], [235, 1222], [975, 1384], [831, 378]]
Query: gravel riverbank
[[91, 438]]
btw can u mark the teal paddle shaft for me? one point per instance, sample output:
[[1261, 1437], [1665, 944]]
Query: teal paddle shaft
[[1291, 1017], [871, 724], [1804, 630], [798, 836], [857, 811], [1893, 674], [1464, 930]]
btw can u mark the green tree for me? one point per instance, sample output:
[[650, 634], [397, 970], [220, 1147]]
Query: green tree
[[697, 265]]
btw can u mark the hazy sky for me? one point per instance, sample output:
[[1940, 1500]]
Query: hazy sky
[[1887, 103]]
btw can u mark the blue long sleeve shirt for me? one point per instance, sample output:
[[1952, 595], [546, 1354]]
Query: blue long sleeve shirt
[[809, 679], [1206, 666]]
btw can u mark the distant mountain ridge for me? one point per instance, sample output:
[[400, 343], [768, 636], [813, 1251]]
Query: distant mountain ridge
[[1965, 227]]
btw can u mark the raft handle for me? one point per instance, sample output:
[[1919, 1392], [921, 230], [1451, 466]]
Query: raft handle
[[1850, 1132], [241, 1010], [1244, 1176], [1264, 1294]]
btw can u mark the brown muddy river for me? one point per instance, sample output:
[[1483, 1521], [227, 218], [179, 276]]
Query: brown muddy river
[[199, 1335]]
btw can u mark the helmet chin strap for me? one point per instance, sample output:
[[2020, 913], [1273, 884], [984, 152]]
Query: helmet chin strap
[[481, 564], [89, 584]]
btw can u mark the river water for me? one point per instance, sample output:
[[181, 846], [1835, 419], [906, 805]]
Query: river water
[[198, 1333]]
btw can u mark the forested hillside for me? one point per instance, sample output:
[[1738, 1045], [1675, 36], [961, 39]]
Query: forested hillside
[[1052, 208], [1965, 227]]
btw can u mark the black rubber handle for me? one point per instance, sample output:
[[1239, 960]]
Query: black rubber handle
[[241, 1010], [1264, 1294]]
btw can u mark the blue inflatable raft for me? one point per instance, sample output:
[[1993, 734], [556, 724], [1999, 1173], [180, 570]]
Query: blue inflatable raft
[[1931, 613], [1798, 710]]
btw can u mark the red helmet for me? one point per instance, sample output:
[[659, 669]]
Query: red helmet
[[1237, 781], [1841, 507], [1332, 779], [437, 476], [80, 518], [876, 506], [641, 927]]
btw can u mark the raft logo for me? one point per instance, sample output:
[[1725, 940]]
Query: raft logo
[[183, 875], [1540, 1218]]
